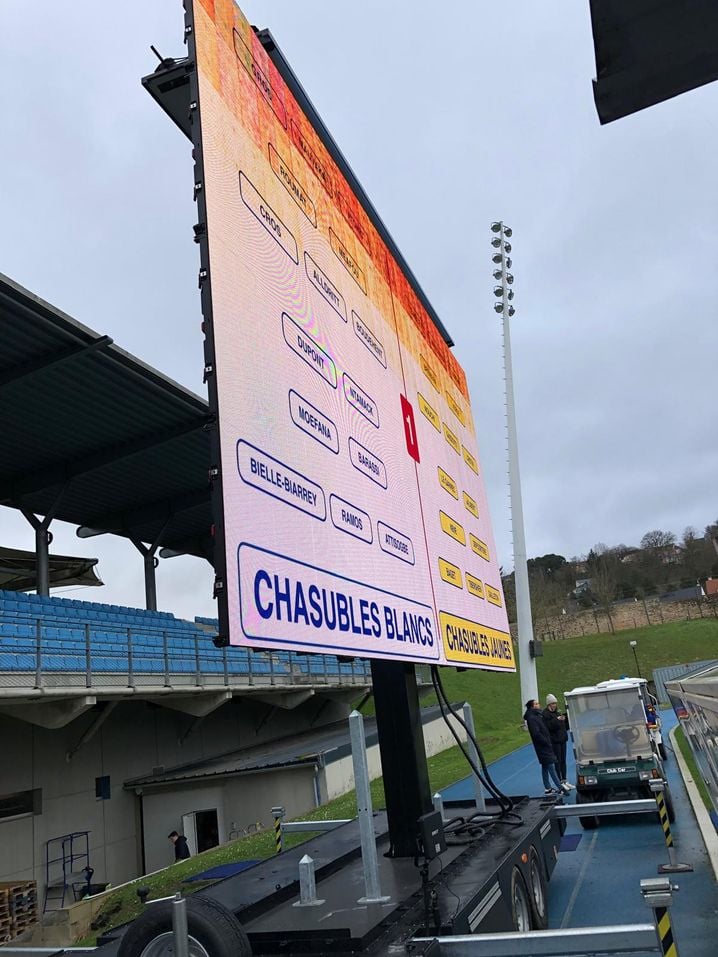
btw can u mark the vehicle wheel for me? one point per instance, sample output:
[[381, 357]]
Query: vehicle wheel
[[213, 931], [520, 903], [663, 751], [537, 889], [588, 822]]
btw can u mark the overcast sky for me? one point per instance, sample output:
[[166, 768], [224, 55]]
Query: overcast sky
[[451, 115]]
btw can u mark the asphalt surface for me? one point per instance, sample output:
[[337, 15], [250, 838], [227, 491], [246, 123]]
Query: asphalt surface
[[598, 883]]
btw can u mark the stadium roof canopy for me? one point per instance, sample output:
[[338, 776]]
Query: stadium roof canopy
[[94, 434]]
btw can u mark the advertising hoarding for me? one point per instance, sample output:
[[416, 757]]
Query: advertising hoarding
[[355, 519]]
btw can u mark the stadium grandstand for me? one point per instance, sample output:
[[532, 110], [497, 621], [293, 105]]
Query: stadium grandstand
[[121, 724]]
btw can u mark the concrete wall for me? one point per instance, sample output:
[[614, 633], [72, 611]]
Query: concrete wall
[[135, 738], [337, 777], [240, 802], [631, 614]]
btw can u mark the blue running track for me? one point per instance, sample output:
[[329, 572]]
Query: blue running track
[[598, 882]]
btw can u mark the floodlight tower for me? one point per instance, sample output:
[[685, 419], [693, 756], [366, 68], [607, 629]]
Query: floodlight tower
[[504, 294]]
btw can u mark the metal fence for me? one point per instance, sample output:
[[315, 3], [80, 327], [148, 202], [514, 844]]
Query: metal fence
[[124, 657], [662, 675]]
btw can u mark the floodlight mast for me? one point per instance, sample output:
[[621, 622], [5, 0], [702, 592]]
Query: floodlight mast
[[527, 663]]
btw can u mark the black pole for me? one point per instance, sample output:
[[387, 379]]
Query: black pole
[[403, 755], [150, 563]]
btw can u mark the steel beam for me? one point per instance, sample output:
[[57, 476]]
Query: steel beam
[[51, 359], [570, 942], [300, 827], [20, 485], [604, 808]]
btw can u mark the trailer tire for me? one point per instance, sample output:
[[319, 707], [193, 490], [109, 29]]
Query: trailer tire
[[588, 822], [521, 913], [213, 931], [663, 751], [537, 889]]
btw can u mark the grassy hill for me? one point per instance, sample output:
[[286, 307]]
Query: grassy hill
[[498, 712]]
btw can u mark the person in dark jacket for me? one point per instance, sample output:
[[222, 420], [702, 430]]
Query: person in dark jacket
[[181, 846], [558, 729], [543, 746]]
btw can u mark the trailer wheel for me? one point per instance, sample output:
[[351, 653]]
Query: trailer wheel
[[589, 822], [663, 751], [520, 903], [537, 882], [213, 931]]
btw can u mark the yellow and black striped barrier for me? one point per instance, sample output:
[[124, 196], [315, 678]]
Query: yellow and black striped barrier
[[658, 895], [278, 814], [665, 932], [663, 817], [672, 867]]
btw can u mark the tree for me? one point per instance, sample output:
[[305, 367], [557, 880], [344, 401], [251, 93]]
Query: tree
[[711, 535], [657, 539], [604, 580], [549, 564]]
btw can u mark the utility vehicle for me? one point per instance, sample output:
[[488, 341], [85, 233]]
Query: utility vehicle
[[616, 742]]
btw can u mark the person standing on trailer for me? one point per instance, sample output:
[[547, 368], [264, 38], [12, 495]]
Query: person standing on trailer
[[557, 725], [541, 740]]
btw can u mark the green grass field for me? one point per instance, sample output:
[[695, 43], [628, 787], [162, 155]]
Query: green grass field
[[498, 718]]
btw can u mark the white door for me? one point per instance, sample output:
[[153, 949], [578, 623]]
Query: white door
[[190, 832]]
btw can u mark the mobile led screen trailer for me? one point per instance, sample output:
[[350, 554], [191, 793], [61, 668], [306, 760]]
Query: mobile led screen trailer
[[351, 511]]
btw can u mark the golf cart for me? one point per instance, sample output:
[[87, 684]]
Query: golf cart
[[650, 705], [617, 746]]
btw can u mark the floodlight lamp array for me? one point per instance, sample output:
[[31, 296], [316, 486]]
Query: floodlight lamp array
[[504, 279]]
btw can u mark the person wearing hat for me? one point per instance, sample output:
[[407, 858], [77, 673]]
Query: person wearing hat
[[558, 731], [541, 740]]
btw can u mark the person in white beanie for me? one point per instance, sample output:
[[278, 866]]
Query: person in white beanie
[[558, 730]]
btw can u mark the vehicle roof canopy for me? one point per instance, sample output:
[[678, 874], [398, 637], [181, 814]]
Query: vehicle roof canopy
[[612, 684]]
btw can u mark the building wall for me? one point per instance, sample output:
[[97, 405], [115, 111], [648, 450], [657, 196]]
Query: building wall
[[337, 777], [136, 738]]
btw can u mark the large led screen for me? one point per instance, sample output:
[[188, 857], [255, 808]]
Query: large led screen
[[355, 518]]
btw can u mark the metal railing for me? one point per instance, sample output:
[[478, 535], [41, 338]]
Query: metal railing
[[104, 654], [91, 655]]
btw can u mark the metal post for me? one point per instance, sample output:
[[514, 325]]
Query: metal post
[[474, 755], [307, 884], [179, 926], [42, 550], [370, 863], [198, 674], [527, 665], [657, 894], [165, 652], [278, 814], [439, 804], [150, 564], [38, 653], [130, 665], [673, 866], [403, 753], [225, 664], [88, 658]]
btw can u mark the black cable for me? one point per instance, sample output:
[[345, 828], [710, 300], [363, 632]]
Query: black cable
[[504, 801], [500, 796], [447, 887], [472, 765]]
